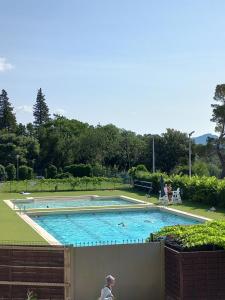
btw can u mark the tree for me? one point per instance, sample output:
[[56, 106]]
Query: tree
[[171, 150], [51, 171], [7, 117], [11, 146], [2, 173], [11, 172], [200, 168], [21, 129], [40, 110], [218, 116]]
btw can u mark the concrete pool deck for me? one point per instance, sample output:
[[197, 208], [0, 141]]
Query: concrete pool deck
[[137, 205]]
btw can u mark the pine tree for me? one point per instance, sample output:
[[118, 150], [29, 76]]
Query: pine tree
[[7, 117], [40, 110], [218, 116]]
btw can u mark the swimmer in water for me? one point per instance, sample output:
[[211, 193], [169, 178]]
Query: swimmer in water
[[122, 224]]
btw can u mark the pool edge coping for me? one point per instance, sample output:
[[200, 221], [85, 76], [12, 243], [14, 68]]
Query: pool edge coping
[[12, 205], [145, 205], [40, 230]]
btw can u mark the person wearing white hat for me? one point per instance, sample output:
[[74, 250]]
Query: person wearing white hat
[[106, 292]]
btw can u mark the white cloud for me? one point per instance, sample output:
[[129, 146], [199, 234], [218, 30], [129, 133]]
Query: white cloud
[[24, 109], [60, 111], [4, 65]]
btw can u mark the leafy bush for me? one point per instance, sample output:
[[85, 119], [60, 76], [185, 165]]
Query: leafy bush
[[99, 170], [11, 172], [181, 170], [214, 170], [25, 172], [210, 233], [138, 168], [200, 168], [79, 170], [51, 171], [64, 175]]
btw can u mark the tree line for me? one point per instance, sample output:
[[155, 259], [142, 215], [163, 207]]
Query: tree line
[[54, 146]]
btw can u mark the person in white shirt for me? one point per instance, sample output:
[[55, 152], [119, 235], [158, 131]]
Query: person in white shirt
[[106, 292]]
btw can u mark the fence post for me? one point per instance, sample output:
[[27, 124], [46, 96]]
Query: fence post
[[162, 254], [67, 273]]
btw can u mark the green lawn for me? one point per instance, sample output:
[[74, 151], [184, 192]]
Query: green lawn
[[14, 229]]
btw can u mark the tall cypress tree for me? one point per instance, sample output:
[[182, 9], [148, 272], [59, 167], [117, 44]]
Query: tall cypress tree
[[40, 110], [7, 117]]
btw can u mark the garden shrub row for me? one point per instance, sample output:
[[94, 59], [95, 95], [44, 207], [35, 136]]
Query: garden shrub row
[[207, 190]]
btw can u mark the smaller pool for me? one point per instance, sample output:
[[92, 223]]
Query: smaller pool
[[70, 202]]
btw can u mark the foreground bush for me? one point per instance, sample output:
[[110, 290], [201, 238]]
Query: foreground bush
[[209, 234]]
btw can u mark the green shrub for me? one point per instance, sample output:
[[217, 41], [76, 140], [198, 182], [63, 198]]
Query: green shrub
[[64, 175], [181, 170], [138, 168], [200, 168], [98, 170], [25, 172], [192, 236], [11, 172], [79, 170], [51, 171]]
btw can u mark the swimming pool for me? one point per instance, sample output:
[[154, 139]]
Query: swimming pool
[[71, 202], [102, 227]]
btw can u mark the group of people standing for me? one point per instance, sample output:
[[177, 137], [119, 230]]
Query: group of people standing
[[168, 191]]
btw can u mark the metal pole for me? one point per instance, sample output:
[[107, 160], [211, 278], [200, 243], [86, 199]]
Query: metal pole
[[153, 155], [17, 167], [189, 156], [190, 152]]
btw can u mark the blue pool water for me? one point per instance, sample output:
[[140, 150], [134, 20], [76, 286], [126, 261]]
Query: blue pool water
[[79, 202], [108, 226]]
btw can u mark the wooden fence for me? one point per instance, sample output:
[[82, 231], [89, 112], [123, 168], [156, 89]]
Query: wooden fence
[[40, 269]]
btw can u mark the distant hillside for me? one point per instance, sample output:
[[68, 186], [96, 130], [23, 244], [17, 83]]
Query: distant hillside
[[202, 139]]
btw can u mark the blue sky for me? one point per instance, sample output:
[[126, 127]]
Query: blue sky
[[141, 65]]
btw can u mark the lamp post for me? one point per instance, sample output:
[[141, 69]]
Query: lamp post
[[189, 135], [153, 155], [17, 167]]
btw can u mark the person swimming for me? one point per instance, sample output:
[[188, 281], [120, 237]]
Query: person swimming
[[121, 224]]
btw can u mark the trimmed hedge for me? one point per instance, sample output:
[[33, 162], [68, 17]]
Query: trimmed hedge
[[207, 190], [79, 170]]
